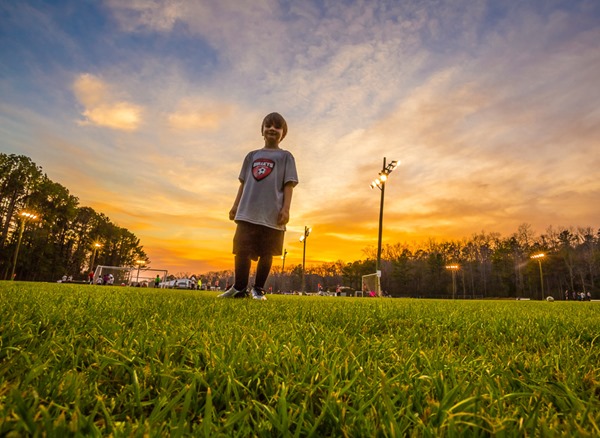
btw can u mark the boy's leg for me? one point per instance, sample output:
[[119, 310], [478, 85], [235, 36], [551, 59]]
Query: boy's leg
[[262, 271], [242, 271]]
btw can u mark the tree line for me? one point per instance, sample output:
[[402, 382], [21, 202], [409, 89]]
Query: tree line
[[63, 237], [487, 265], [62, 241]]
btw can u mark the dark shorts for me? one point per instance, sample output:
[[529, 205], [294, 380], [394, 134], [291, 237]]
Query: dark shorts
[[257, 240]]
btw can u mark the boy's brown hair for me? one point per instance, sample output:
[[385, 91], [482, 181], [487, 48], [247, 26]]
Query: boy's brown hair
[[276, 120]]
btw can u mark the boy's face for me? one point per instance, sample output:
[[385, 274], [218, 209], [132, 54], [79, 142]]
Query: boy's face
[[272, 133]]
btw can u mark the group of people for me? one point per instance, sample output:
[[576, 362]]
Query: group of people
[[578, 296], [102, 279]]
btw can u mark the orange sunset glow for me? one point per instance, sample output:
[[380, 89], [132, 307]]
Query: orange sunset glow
[[145, 111]]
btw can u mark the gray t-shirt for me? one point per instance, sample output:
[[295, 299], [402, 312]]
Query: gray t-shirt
[[264, 174]]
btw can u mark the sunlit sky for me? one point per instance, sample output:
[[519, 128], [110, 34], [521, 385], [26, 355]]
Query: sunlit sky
[[145, 109]]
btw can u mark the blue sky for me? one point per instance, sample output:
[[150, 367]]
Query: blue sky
[[144, 110]]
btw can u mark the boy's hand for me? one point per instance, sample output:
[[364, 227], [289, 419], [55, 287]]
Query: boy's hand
[[232, 213], [283, 217]]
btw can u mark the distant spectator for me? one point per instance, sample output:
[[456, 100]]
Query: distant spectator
[[157, 281]]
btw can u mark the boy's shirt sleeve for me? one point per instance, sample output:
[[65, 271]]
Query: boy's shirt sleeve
[[245, 167], [291, 175]]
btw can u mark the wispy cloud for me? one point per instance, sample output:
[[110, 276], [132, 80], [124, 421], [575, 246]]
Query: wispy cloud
[[102, 108]]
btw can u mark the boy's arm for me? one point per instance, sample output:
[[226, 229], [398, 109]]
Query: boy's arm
[[284, 213], [233, 210]]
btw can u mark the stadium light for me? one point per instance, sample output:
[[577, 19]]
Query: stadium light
[[453, 269], [283, 260], [539, 258], [96, 246], [25, 215], [380, 184], [140, 263], [303, 239]]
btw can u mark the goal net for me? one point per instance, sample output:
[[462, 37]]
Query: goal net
[[370, 285], [146, 277], [130, 276], [119, 274]]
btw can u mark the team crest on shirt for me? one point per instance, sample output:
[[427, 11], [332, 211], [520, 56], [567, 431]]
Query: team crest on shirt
[[262, 167]]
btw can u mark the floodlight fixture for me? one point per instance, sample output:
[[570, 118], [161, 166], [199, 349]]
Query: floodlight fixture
[[453, 268], [384, 174], [25, 215], [303, 239], [539, 257]]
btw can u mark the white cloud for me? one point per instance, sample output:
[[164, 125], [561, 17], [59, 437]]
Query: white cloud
[[102, 108], [198, 115]]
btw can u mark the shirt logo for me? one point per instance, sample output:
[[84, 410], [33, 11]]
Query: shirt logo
[[262, 168]]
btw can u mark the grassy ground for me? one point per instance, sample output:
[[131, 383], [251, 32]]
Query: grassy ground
[[95, 360]]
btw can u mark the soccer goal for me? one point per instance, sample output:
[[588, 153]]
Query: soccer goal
[[146, 277], [119, 274], [130, 276], [371, 285]]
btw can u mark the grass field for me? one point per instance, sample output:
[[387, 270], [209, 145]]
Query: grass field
[[93, 360]]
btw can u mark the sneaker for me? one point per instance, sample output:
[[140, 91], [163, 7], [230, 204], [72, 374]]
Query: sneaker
[[232, 292], [258, 293]]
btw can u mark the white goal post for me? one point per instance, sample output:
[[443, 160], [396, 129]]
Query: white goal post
[[130, 276], [371, 285]]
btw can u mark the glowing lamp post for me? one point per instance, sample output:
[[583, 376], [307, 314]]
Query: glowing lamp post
[[140, 263], [283, 261], [539, 258], [24, 217], [380, 184], [303, 239], [453, 269], [282, 269], [96, 246]]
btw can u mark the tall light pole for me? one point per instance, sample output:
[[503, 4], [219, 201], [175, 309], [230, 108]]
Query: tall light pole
[[283, 268], [539, 258], [24, 216], [140, 263], [453, 269], [380, 183], [303, 238], [283, 262], [96, 246]]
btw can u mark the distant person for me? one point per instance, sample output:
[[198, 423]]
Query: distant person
[[91, 277], [262, 208], [157, 281]]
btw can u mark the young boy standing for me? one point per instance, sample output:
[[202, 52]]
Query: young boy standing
[[262, 208]]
